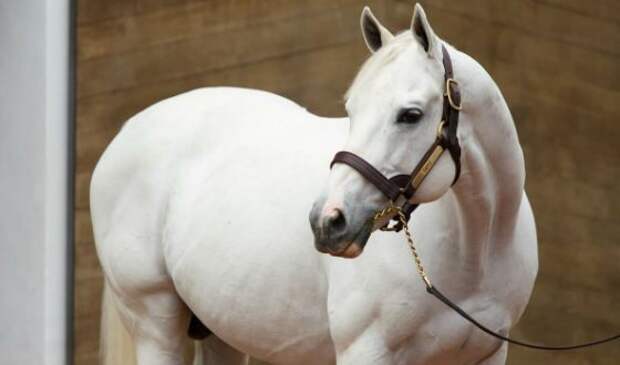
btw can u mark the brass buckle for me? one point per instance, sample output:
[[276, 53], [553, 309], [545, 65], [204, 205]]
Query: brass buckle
[[440, 129], [448, 93]]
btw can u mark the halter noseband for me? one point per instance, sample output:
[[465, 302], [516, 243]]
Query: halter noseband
[[406, 185]]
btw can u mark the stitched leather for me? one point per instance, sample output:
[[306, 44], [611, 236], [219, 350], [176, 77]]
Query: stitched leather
[[451, 115], [387, 187]]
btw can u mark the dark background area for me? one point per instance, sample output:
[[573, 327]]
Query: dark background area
[[556, 62]]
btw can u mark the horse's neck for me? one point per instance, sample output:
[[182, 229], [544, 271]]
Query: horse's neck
[[489, 192]]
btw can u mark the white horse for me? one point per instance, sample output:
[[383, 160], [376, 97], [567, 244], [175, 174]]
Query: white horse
[[201, 204]]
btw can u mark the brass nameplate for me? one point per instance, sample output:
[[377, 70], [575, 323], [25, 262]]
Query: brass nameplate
[[426, 168]]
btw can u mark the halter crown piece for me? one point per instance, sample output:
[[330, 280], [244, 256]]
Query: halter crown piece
[[400, 189]]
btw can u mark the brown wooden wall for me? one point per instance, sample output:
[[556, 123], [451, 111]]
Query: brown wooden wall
[[555, 60]]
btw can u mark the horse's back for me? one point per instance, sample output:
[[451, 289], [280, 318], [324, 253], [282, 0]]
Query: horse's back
[[156, 143]]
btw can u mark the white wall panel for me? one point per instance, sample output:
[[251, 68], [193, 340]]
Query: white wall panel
[[34, 181]]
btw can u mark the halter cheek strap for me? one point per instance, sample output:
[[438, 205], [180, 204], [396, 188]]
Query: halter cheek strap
[[451, 108], [446, 139]]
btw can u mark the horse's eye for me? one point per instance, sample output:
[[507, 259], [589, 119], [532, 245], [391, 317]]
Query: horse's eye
[[410, 116]]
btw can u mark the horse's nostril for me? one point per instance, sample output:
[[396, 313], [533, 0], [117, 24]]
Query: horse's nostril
[[336, 221]]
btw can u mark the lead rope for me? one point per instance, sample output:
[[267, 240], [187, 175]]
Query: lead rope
[[431, 289]]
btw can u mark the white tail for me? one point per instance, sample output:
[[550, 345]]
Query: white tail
[[116, 346], [198, 360]]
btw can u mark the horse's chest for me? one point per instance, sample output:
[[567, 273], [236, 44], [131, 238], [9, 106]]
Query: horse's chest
[[448, 339], [414, 327], [437, 335]]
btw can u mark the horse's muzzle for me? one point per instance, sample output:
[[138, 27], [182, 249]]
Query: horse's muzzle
[[338, 233]]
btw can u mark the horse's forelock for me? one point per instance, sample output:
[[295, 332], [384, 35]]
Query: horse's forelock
[[384, 56]]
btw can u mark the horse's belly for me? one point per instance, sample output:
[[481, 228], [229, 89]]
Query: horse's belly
[[270, 304]]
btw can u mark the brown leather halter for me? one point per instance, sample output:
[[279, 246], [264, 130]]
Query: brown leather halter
[[406, 185]]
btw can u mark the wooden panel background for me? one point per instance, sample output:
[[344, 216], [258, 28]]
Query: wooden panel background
[[555, 60]]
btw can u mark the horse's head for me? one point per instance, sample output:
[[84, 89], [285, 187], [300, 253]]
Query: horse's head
[[395, 108]]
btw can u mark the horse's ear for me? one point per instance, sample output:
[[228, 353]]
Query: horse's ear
[[422, 31], [375, 34]]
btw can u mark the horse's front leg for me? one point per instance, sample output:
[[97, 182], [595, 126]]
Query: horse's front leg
[[358, 339], [357, 328], [498, 357], [369, 349]]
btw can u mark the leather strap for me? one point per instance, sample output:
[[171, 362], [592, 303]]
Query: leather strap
[[431, 289], [451, 98], [387, 187]]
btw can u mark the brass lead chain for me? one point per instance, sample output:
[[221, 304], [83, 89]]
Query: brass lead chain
[[403, 220], [414, 251]]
